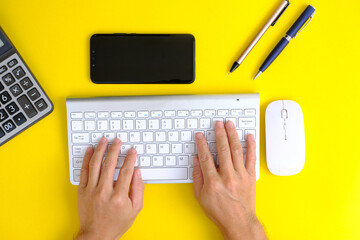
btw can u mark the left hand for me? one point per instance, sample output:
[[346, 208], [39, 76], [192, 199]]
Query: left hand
[[108, 209]]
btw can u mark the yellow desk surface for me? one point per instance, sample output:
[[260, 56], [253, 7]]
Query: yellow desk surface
[[319, 70]]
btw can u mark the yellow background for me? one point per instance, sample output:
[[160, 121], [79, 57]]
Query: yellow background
[[319, 70]]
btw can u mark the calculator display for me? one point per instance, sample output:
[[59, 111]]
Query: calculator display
[[1, 43]]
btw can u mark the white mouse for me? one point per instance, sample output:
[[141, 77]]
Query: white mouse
[[285, 138]]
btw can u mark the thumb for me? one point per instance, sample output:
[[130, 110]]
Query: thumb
[[197, 177], [137, 190]]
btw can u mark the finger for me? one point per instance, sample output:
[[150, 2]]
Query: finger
[[205, 158], [235, 146], [126, 172], [108, 167], [197, 177], [137, 190], [223, 148], [250, 154], [95, 162], [84, 174]]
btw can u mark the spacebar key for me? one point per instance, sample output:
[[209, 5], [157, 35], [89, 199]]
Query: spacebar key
[[164, 173]]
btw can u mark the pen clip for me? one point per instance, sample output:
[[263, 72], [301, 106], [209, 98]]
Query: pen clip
[[288, 3], [307, 22]]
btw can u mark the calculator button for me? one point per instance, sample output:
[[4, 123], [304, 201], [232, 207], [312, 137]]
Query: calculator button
[[41, 105], [2, 133], [27, 106], [15, 90], [5, 97], [19, 119], [3, 115], [26, 83], [9, 125], [33, 94], [3, 69], [12, 108], [1, 87], [8, 79], [12, 63], [18, 72]]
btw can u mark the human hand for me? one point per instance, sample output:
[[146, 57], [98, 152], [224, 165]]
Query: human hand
[[108, 209], [227, 194]]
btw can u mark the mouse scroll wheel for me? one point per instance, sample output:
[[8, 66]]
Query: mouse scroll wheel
[[284, 113]]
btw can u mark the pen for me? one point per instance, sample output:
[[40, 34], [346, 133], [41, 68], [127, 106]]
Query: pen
[[271, 22], [295, 29]]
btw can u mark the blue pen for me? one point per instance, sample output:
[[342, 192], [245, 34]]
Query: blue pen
[[292, 33]]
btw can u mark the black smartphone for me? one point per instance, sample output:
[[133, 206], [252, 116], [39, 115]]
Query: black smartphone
[[142, 58]]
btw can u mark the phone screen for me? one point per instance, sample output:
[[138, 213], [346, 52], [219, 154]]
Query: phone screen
[[142, 58]]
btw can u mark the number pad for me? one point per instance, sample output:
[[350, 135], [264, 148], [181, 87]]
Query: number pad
[[12, 108], [15, 90], [26, 83], [19, 119], [18, 72], [9, 126], [8, 79], [5, 97], [3, 115]]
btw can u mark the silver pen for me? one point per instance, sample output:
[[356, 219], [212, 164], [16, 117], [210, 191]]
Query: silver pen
[[271, 22]]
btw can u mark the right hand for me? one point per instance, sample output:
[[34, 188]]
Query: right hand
[[227, 194]]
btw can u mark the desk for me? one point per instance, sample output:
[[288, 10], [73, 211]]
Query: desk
[[319, 70]]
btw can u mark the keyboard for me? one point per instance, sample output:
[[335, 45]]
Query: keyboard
[[160, 128]]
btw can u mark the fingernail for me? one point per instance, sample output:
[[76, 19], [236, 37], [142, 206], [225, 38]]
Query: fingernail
[[230, 124], [88, 150], [251, 137], [199, 135], [138, 173], [132, 151], [103, 140], [219, 124], [116, 141]]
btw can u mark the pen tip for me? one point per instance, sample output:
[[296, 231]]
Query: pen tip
[[234, 66], [257, 75]]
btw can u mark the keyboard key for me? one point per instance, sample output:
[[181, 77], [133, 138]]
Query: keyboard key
[[173, 136], [179, 123], [76, 175], [246, 122], [110, 136], [33, 94], [89, 125], [148, 136], [145, 161], [123, 136], [170, 113], [166, 124], [77, 162], [2, 133], [103, 114], [164, 148], [15, 90], [189, 148], [214, 120], [130, 114], [128, 124], [5, 97], [164, 173], [151, 149], [191, 173], [9, 125], [158, 161], [139, 148], [102, 125], [156, 113], [124, 149], [205, 123], [212, 147], [160, 136], [3, 69], [76, 115], [143, 114], [210, 112], [76, 125], [26, 83], [134, 136], [223, 112], [183, 160], [196, 113], [176, 148], [80, 138], [185, 136], [12, 63], [140, 124], [3, 115], [18, 72], [95, 137], [236, 112], [250, 112], [115, 124], [250, 131], [90, 115], [154, 124], [183, 113], [116, 114], [12, 108], [170, 161], [27, 106], [19, 119], [192, 123], [240, 133], [231, 120], [210, 136]]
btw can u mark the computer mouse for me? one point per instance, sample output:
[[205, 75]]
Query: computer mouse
[[285, 138]]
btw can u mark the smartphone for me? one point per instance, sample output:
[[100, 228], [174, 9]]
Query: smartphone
[[142, 58]]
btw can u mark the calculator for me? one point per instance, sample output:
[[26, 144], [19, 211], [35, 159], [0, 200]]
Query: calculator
[[22, 100]]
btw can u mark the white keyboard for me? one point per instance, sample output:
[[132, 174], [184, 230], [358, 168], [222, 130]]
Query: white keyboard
[[161, 128]]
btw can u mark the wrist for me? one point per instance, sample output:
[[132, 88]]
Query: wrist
[[248, 227], [90, 235]]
